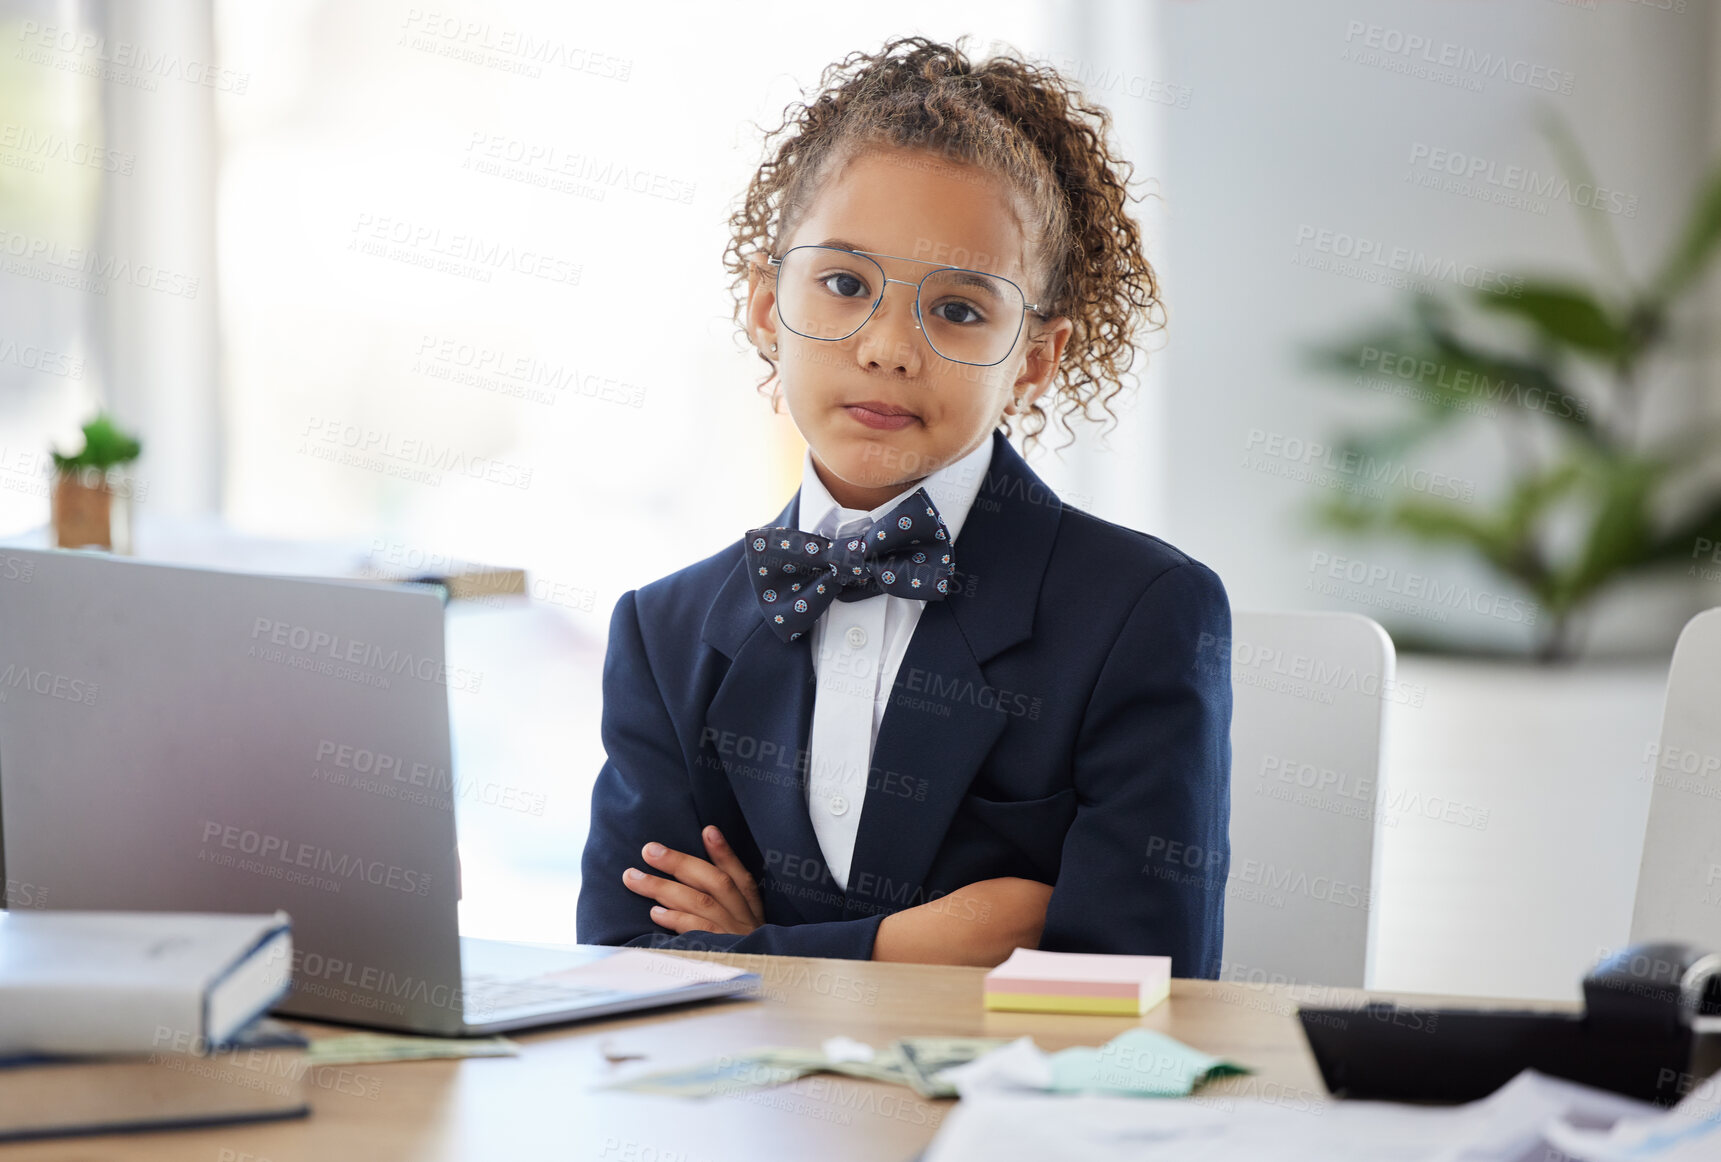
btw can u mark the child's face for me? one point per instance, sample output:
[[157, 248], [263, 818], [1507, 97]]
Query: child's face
[[914, 205]]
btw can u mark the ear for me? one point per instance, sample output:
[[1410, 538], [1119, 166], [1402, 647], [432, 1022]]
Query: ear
[[1046, 345], [761, 313]]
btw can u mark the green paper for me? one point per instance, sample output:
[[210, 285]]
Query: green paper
[[1139, 1062]]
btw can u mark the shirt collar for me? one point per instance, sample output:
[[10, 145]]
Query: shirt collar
[[952, 489]]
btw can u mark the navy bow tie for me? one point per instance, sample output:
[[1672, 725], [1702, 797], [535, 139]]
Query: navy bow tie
[[796, 575]]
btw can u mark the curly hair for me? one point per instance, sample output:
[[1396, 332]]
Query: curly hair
[[1008, 117]]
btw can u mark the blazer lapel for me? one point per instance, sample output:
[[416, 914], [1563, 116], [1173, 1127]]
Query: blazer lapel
[[765, 704], [759, 722], [943, 717]]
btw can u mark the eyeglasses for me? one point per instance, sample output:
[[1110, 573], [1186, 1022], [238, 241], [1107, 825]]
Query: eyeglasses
[[967, 316]]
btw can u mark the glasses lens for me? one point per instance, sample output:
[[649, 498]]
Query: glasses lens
[[826, 293], [969, 316]]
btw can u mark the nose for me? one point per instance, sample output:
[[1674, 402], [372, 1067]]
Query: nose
[[891, 339]]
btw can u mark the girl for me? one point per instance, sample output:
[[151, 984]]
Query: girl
[[929, 712]]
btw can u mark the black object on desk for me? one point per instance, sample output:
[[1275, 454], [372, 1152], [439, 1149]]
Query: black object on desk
[[1635, 1036]]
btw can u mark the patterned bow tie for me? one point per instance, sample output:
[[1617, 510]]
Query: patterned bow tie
[[796, 575]]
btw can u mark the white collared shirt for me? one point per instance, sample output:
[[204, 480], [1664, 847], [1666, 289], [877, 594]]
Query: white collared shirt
[[857, 647]]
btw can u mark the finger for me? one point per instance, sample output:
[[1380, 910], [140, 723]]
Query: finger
[[678, 897], [697, 873], [677, 921], [730, 865]]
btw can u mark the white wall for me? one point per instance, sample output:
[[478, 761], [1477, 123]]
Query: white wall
[[1281, 133]]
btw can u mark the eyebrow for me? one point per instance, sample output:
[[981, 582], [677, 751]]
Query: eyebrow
[[844, 244]]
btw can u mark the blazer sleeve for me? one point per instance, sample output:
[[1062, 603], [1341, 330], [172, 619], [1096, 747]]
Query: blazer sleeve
[[1145, 860], [642, 794]]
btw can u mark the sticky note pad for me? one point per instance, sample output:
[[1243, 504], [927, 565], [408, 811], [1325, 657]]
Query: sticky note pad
[[1078, 982]]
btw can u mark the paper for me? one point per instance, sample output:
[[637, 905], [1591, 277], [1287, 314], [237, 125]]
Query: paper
[[1690, 1132], [1273, 1123], [840, 1049], [638, 970], [371, 1048], [1138, 1062]]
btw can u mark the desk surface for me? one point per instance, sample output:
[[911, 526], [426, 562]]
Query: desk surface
[[546, 1099]]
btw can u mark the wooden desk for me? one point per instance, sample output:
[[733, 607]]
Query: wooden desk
[[543, 1104]]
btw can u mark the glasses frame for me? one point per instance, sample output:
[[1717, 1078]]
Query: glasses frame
[[873, 256]]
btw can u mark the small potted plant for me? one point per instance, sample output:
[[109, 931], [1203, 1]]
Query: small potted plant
[[89, 495]]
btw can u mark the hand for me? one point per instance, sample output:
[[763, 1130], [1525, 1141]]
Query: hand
[[980, 924], [714, 896]]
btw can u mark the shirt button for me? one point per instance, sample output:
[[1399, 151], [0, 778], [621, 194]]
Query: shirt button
[[839, 805], [856, 637]]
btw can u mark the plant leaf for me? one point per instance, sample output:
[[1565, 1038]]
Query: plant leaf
[[1696, 246], [1568, 315]]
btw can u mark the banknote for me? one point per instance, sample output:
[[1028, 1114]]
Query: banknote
[[753, 1069], [911, 1062], [370, 1048], [923, 1057]]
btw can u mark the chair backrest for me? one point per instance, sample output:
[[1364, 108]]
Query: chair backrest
[[1679, 878], [1307, 732]]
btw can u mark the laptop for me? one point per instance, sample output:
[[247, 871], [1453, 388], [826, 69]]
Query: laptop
[[191, 739]]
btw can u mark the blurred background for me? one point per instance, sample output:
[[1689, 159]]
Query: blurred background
[[1438, 309]]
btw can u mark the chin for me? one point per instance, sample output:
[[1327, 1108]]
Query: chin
[[881, 458]]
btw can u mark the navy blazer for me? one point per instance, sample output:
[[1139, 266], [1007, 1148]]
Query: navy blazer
[[1064, 716]]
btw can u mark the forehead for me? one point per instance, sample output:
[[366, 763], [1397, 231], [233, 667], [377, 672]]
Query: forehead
[[914, 204]]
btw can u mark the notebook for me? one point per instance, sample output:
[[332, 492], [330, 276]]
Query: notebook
[[136, 982], [257, 1076]]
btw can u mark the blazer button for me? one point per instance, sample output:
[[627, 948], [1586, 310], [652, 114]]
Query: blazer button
[[839, 805], [856, 637]]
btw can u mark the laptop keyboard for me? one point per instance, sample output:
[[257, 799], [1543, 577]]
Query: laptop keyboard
[[489, 996]]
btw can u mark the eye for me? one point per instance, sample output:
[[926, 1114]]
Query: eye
[[847, 285], [959, 312]]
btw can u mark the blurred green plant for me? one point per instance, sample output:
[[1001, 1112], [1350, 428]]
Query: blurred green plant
[[1589, 501], [105, 446]]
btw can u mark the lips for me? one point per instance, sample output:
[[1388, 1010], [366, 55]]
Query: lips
[[880, 415], [882, 408]]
